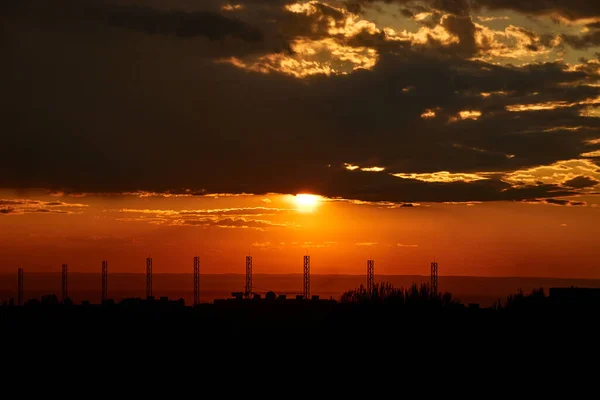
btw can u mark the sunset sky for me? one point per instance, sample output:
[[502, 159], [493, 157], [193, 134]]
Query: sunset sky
[[465, 130]]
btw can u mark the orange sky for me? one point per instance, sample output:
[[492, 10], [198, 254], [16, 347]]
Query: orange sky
[[481, 239], [125, 115]]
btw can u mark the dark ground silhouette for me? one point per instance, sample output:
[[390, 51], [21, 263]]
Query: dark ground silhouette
[[398, 335], [388, 314]]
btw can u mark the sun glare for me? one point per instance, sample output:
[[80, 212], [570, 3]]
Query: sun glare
[[306, 202]]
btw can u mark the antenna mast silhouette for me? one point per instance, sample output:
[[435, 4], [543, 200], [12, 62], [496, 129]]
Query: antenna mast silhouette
[[434, 278], [370, 276], [196, 280], [20, 286], [148, 277], [306, 277], [104, 280], [65, 271], [248, 276]]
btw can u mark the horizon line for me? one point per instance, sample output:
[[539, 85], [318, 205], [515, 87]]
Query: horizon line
[[300, 274]]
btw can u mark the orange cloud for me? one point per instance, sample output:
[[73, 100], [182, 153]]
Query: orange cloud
[[467, 114], [428, 114], [352, 167], [231, 7], [311, 57], [553, 105], [554, 174], [442, 176]]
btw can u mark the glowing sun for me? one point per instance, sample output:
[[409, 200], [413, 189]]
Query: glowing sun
[[307, 202]]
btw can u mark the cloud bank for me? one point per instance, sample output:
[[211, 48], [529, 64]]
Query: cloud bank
[[429, 102]]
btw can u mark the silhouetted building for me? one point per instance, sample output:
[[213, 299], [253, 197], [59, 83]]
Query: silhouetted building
[[32, 302], [575, 295], [49, 299]]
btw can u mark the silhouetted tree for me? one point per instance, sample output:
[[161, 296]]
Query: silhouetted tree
[[270, 296], [386, 293], [536, 298]]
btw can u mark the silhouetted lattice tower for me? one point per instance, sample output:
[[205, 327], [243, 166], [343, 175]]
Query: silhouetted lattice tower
[[196, 280], [434, 278], [370, 276], [20, 286], [248, 276], [104, 280], [148, 277], [65, 271], [306, 277]]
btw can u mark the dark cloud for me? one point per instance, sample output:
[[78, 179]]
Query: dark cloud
[[178, 23], [562, 202], [27, 202], [583, 41], [293, 25], [458, 7], [260, 26], [11, 202], [571, 9], [21, 206], [581, 182], [463, 28], [9, 210], [557, 202], [203, 20], [354, 6], [578, 203], [594, 25], [107, 107], [383, 187], [407, 13]]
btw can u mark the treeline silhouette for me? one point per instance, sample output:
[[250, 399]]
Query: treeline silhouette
[[383, 293], [386, 293], [383, 328], [387, 312]]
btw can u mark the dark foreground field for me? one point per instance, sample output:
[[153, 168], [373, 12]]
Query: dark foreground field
[[318, 321], [216, 345]]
